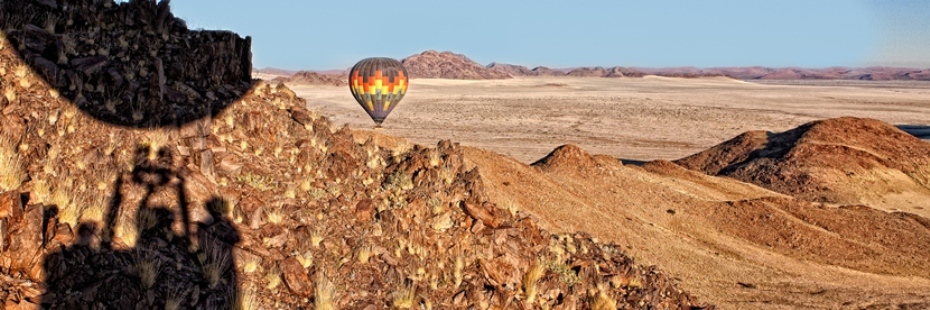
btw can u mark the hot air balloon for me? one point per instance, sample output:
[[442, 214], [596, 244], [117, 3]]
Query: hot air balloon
[[378, 84]]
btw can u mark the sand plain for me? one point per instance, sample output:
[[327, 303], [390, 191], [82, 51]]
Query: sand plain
[[629, 118]]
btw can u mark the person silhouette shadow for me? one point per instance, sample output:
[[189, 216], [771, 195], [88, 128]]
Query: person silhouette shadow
[[154, 266]]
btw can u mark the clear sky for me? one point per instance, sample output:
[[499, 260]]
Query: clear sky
[[325, 34]]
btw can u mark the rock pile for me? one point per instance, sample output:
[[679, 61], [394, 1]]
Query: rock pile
[[131, 64]]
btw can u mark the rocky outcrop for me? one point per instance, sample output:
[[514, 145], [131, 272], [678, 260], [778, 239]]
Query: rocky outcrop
[[131, 64]]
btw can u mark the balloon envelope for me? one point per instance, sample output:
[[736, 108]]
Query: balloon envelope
[[378, 84]]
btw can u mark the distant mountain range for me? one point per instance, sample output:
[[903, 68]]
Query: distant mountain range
[[448, 65]]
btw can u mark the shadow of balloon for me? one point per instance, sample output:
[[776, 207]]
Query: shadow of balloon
[[919, 131], [159, 263], [131, 64]]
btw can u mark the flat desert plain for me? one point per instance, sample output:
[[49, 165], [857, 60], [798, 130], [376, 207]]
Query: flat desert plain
[[633, 119]]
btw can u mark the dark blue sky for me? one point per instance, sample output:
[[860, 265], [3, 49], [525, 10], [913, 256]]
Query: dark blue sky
[[658, 33]]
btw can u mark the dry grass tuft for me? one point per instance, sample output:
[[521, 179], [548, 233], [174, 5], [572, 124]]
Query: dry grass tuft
[[274, 279], [11, 166], [217, 263], [635, 283], [246, 299], [290, 193], [400, 180], [148, 218], [316, 193], [147, 268], [364, 254], [127, 231], [603, 302], [43, 191], [405, 297], [10, 94], [275, 215], [175, 297], [68, 212], [434, 158], [251, 264], [259, 182], [316, 238], [305, 259], [459, 268], [21, 70], [536, 272], [324, 293], [565, 272], [94, 207]]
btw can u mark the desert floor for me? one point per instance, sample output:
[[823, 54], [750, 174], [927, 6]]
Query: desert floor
[[634, 119]]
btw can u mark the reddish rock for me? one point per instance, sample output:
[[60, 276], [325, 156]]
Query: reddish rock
[[11, 206], [28, 240], [21, 305], [4, 234], [481, 213], [365, 210], [63, 235], [295, 277]]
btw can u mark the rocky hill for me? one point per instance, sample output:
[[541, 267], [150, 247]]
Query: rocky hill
[[605, 72], [845, 161], [314, 78], [263, 204], [517, 70], [446, 65], [513, 70]]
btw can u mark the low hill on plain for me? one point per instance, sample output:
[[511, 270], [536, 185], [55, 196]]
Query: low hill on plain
[[447, 65], [838, 161]]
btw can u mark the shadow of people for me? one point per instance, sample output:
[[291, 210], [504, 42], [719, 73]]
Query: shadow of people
[[145, 261], [130, 64]]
